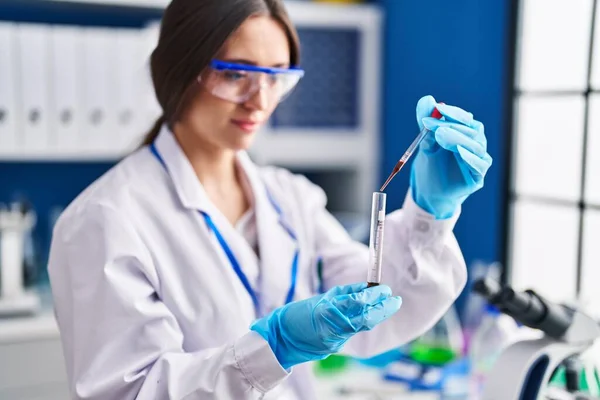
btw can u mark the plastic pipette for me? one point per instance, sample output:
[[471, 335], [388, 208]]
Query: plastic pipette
[[411, 149]]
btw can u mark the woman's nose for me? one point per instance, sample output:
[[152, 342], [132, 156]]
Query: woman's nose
[[260, 98]]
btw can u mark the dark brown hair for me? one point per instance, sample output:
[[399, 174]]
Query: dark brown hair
[[192, 32]]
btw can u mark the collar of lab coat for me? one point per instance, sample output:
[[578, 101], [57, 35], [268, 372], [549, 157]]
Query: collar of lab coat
[[276, 246], [189, 189]]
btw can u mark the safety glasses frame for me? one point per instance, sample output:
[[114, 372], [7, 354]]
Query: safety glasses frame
[[223, 65]]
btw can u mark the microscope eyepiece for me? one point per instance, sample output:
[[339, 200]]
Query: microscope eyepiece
[[528, 308], [488, 288]]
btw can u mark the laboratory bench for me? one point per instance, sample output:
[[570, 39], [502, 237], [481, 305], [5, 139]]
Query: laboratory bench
[[31, 359], [365, 383]]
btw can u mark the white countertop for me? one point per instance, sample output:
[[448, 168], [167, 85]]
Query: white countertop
[[359, 382], [40, 325], [36, 327]]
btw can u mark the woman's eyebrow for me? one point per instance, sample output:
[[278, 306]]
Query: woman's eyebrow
[[248, 62]]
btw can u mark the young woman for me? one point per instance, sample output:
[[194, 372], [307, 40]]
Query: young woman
[[187, 272]]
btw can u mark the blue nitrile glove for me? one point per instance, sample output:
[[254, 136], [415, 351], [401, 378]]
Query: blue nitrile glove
[[451, 161], [314, 328]]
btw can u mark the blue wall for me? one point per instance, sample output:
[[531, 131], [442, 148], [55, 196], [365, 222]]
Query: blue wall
[[456, 51]]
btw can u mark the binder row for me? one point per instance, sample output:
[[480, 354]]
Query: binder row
[[74, 91]]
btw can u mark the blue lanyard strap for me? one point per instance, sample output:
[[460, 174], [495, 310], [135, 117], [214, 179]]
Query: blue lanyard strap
[[156, 154], [232, 260]]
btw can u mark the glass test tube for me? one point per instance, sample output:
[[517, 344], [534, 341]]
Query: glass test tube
[[376, 239]]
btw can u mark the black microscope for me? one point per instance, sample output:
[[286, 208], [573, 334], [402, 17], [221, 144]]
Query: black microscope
[[524, 368]]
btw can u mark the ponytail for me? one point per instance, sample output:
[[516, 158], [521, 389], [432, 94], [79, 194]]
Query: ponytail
[[153, 133]]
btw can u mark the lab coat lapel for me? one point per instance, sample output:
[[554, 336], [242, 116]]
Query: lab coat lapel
[[188, 188], [192, 196], [276, 246]]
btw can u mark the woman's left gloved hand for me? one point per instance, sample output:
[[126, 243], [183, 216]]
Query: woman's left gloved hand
[[451, 161], [313, 328]]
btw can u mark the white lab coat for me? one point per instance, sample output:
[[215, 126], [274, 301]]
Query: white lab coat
[[149, 307]]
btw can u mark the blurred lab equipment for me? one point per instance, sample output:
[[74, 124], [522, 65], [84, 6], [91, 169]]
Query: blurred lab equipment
[[441, 344], [429, 360], [524, 369], [428, 379], [574, 380], [411, 149], [494, 334], [31, 251], [561, 394], [16, 223], [333, 364], [376, 239], [442, 180], [578, 374], [475, 304]]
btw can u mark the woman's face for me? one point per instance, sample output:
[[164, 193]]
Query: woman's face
[[223, 124]]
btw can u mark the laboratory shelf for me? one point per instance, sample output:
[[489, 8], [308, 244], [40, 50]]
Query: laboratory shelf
[[333, 35]]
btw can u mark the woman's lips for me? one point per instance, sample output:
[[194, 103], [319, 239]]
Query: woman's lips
[[246, 125]]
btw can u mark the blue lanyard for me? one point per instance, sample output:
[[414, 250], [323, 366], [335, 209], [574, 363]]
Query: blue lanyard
[[232, 260]]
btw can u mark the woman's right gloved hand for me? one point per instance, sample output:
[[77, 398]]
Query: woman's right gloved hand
[[314, 328]]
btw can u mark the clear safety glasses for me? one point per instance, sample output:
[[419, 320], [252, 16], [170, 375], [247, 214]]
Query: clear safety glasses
[[239, 82]]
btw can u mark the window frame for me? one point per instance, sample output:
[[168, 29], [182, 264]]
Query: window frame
[[515, 94]]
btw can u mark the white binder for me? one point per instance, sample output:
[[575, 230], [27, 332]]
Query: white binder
[[33, 41], [8, 89], [129, 80], [65, 105], [150, 105], [99, 113]]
